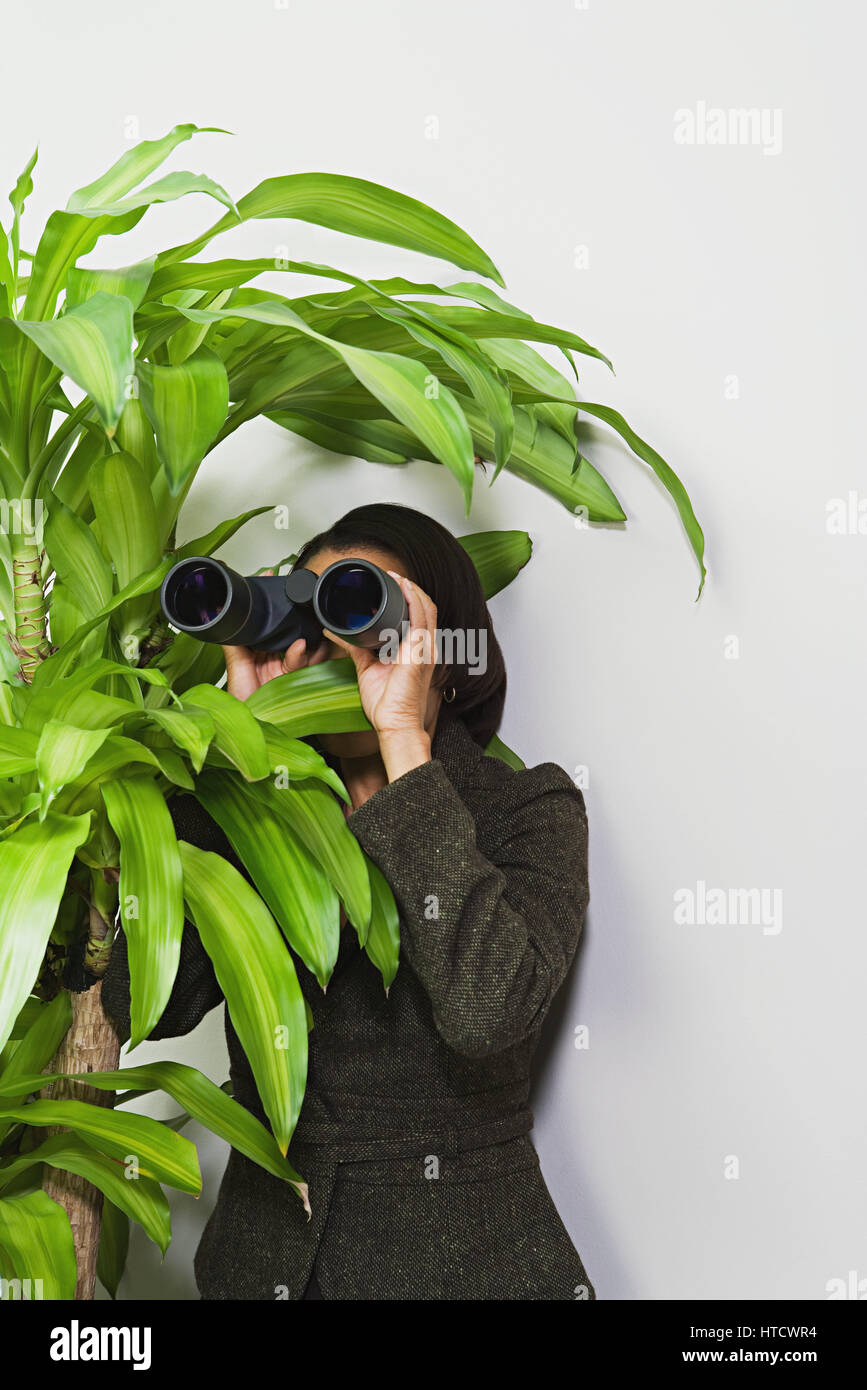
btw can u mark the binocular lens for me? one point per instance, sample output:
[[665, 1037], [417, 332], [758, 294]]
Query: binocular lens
[[350, 597], [269, 612], [199, 595]]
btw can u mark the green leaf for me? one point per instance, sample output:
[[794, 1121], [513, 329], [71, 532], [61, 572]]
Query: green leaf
[[34, 862], [72, 704], [36, 1235], [113, 1247], [66, 238], [413, 393], [88, 676], [31, 1012], [159, 1152], [205, 1102], [315, 818], [92, 345], [133, 166], [125, 512], [191, 729], [339, 436], [131, 281], [142, 1200], [60, 664], [498, 556], [486, 382], [561, 417], [116, 753], [487, 385], [486, 323], [65, 617], [62, 755], [213, 539], [38, 1045], [165, 190], [383, 939], [299, 895], [666, 475], [7, 278], [187, 406], [320, 699], [236, 731], [18, 197], [41, 1037], [294, 759], [151, 895], [70, 484], [187, 662], [524, 364], [255, 972], [67, 689], [183, 342], [135, 436], [211, 276], [496, 748], [421, 402], [172, 766], [543, 457], [17, 750], [357, 207], [77, 558]]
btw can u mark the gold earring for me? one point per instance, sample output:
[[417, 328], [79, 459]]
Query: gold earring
[[449, 695]]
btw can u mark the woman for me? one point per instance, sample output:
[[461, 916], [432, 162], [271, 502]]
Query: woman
[[414, 1130]]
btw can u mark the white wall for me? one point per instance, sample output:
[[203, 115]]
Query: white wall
[[556, 130]]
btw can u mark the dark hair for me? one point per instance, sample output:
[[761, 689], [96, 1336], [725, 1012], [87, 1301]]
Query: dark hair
[[433, 559]]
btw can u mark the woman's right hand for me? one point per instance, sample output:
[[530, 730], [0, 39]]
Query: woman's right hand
[[247, 670]]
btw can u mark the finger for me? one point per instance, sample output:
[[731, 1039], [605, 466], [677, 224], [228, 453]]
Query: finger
[[423, 617], [337, 641], [404, 652], [422, 612], [419, 619], [322, 653], [241, 671], [426, 600], [430, 609], [295, 656], [361, 656], [237, 656]]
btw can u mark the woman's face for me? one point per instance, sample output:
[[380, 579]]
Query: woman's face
[[362, 743]]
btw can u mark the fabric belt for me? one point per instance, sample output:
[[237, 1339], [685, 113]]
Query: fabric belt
[[347, 1126], [336, 1138]]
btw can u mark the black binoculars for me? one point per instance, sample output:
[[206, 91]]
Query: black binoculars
[[353, 598]]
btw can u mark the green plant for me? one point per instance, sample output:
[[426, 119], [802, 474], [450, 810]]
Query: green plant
[[114, 386]]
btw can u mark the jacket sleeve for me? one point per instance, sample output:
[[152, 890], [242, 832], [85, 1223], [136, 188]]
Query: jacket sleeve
[[490, 939], [195, 991]]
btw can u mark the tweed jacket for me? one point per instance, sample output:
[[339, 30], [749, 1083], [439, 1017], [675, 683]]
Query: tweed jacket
[[414, 1130]]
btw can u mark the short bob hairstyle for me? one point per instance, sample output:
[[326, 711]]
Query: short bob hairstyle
[[431, 557]]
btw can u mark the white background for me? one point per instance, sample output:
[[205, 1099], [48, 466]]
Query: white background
[[555, 131]]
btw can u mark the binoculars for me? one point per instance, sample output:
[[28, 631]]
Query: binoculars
[[353, 598]]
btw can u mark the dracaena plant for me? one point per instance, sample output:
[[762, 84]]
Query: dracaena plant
[[114, 387]]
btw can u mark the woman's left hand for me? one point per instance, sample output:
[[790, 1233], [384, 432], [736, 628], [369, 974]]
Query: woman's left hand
[[394, 694]]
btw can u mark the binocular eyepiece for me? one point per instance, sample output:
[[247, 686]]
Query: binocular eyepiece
[[353, 598]]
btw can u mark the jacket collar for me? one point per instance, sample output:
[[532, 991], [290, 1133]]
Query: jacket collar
[[456, 749]]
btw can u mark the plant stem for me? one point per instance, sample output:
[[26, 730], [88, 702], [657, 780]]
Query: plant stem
[[72, 422], [90, 1045], [32, 645]]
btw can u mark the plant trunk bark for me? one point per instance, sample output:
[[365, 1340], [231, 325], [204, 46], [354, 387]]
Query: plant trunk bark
[[90, 1045]]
